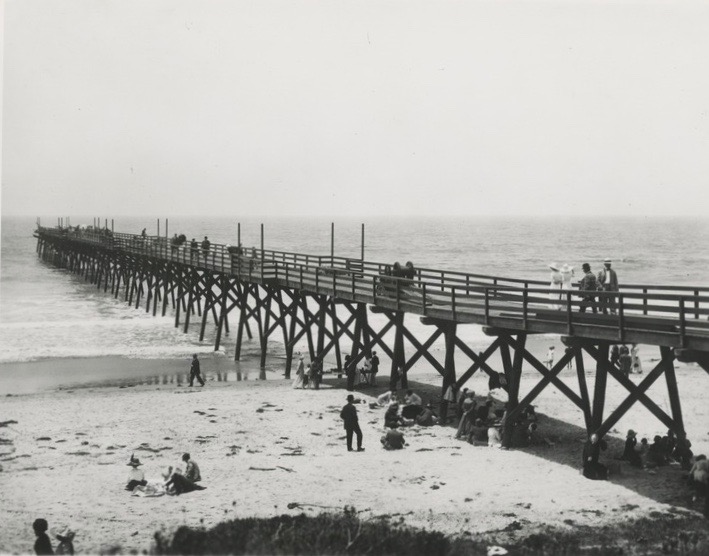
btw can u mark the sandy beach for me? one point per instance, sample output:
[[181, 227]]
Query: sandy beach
[[261, 445]]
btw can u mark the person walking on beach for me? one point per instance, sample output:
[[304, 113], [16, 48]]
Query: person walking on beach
[[608, 282], [374, 363], [587, 288], [195, 371], [299, 374], [350, 373], [636, 363], [316, 372], [549, 361], [351, 422]]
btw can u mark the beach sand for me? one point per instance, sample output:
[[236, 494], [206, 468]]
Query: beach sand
[[262, 445]]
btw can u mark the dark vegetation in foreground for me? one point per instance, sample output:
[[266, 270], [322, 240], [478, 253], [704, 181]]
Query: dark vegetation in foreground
[[346, 533]]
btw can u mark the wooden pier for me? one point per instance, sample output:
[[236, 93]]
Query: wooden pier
[[327, 298]]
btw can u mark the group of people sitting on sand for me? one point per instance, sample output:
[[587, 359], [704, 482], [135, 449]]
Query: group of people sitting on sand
[[664, 450], [481, 423], [174, 480], [409, 412]]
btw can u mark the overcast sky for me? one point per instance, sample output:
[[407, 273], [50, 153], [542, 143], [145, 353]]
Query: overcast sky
[[355, 107]]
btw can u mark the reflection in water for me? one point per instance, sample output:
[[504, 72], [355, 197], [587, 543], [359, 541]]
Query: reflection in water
[[176, 379]]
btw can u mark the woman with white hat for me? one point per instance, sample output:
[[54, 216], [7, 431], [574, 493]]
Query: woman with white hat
[[555, 286]]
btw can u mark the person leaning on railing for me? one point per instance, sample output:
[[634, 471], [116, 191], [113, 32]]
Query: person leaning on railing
[[587, 286]]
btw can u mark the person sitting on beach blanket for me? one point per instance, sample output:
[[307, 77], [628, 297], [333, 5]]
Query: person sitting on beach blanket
[[494, 436], [387, 398], [592, 468], [630, 452], [42, 545], [136, 476], [66, 541], [392, 419], [655, 456], [483, 411], [393, 440], [478, 433], [413, 405], [180, 483], [191, 469], [427, 418]]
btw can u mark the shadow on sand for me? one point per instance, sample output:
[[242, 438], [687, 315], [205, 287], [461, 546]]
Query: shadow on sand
[[666, 485]]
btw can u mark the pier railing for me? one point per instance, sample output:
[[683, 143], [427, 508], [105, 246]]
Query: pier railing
[[676, 313]]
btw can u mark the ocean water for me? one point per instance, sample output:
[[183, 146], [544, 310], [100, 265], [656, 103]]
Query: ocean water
[[48, 312]]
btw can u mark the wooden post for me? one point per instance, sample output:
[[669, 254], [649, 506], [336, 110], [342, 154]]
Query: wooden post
[[449, 378], [262, 254], [167, 235], [158, 227], [399, 359], [362, 253], [668, 363], [332, 242], [599, 393]]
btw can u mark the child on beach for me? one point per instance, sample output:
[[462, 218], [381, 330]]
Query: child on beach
[[42, 545]]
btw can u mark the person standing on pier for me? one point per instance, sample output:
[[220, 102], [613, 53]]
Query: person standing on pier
[[608, 282], [351, 422], [555, 286], [587, 287], [206, 244], [195, 371], [194, 250]]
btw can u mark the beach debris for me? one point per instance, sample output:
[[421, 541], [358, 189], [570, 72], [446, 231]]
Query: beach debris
[[42, 438], [300, 505], [8, 423], [496, 551], [145, 447]]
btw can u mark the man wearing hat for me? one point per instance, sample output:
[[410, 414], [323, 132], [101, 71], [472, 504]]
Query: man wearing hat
[[608, 282], [349, 416], [587, 288], [195, 372]]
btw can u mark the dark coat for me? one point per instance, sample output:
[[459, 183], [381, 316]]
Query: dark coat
[[349, 416]]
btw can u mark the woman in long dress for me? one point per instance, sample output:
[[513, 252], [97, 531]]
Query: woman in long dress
[[567, 274], [555, 286], [300, 371]]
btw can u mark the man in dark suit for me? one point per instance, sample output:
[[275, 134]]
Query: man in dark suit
[[608, 281], [349, 416], [195, 371]]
